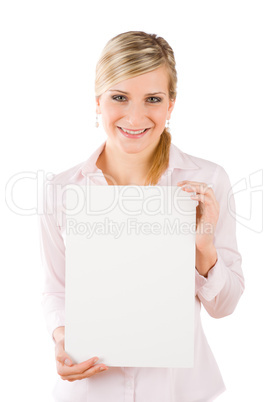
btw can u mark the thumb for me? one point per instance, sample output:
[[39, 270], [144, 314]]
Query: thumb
[[61, 355]]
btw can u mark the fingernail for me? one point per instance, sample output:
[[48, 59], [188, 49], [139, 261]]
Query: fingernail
[[67, 362], [103, 368], [95, 361]]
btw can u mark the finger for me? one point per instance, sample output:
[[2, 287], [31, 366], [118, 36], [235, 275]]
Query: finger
[[200, 197], [76, 369], [193, 183], [190, 182], [202, 188], [88, 373], [61, 355], [204, 198]]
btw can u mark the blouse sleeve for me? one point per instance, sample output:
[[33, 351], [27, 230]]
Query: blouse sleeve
[[221, 290], [53, 260]]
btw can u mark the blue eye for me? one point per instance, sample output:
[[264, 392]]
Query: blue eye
[[157, 99], [121, 98], [118, 96]]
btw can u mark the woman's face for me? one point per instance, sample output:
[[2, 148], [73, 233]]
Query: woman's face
[[136, 104]]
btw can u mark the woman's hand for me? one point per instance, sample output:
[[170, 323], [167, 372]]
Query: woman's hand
[[66, 369], [207, 215], [207, 212]]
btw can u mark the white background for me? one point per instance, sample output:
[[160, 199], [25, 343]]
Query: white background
[[49, 50]]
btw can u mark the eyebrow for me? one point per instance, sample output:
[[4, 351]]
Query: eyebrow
[[126, 93]]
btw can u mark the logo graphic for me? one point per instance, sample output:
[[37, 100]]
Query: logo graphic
[[251, 192]]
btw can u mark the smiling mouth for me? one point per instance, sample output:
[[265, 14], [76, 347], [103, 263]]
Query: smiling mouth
[[134, 131]]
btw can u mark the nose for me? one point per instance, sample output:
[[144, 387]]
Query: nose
[[135, 117]]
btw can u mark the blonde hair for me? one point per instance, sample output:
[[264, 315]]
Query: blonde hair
[[128, 55]]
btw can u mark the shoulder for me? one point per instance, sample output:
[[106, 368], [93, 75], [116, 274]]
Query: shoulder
[[202, 166], [214, 174], [203, 163], [69, 176], [55, 187], [194, 168], [77, 173], [214, 169]]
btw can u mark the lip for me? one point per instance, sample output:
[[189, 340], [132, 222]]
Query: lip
[[133, 135], [131, 129]]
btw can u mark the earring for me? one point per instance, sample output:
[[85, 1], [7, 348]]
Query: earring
[[97, 122], [167, 127]]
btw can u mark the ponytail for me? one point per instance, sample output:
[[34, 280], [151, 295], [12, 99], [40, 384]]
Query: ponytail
[[161, 159]]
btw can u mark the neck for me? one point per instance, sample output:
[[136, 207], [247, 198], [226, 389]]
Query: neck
[[125, 168]]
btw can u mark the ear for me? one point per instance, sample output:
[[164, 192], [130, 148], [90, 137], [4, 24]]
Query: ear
[[98, 108], [171, 106]]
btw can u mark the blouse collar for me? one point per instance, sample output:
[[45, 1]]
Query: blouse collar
[[177, 160]]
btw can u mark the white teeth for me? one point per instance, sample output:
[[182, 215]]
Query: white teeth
[[133, 132]]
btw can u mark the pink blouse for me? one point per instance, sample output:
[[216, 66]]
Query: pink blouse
[[219, 292]]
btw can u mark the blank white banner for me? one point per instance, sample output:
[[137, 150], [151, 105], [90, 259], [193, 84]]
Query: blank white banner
[[130, 275]]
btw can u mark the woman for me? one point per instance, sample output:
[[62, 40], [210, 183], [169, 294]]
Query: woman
[[135, 94]]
